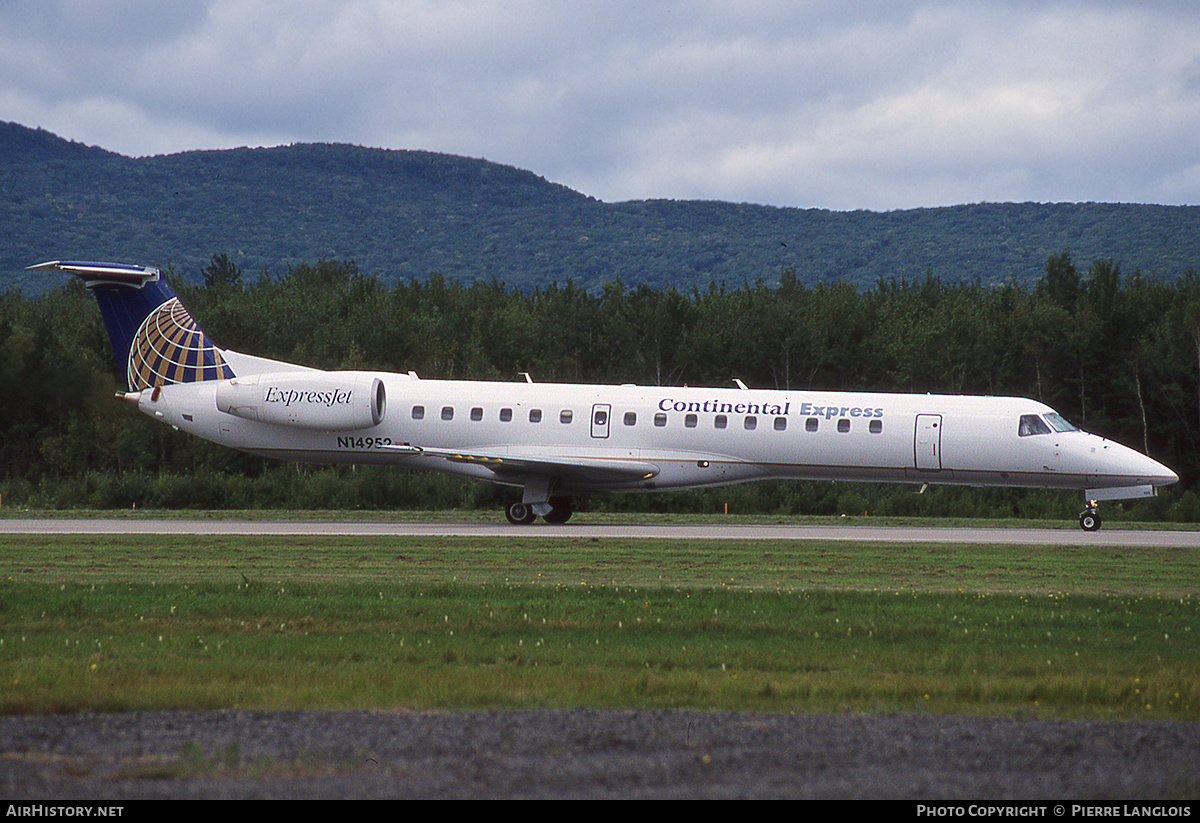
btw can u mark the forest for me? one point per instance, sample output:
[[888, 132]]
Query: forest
[[1117, 353]]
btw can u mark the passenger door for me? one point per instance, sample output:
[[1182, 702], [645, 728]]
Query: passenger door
[[927, 442]]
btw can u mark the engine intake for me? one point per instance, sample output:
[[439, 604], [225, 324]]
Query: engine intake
[[327, 401]]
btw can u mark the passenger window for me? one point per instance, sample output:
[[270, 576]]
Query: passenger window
[[876, 426], [720, 421], [630, 418], [1032, 424], [564, 416], [447, 412], [780, 424], [535, 415], [477, 413], [660, 420], [600, 418], [811, 424], [506, 415], [751, 423], [418, 412], [844, 425], [690, 421]]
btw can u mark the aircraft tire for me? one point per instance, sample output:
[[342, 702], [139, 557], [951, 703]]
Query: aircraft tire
[[558, 514], [520, 514], [1089, 521]]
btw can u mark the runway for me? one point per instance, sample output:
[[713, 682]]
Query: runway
[[851, 533]]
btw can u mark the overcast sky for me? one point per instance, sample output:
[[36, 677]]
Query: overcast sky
[[812, 103]]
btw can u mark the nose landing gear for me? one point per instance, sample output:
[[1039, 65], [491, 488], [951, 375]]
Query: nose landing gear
[[1089, 519]]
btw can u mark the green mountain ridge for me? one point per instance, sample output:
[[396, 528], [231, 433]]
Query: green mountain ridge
[[405, 215]]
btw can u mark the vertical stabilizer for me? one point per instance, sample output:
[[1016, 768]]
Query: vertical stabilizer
[[152, 334]]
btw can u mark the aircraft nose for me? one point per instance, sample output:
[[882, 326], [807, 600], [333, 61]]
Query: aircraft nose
[[1152, 472], [1165, 476], [1131, 465]]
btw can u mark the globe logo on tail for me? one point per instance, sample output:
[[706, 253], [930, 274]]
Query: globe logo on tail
[[170, 348]]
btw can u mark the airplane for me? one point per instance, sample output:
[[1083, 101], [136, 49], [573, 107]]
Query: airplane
[[560, 443]]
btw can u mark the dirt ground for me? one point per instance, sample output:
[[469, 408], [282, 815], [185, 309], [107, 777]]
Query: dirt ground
[[548, 754]]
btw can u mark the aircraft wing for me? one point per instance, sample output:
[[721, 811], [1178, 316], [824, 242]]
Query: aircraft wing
[[509, 465]]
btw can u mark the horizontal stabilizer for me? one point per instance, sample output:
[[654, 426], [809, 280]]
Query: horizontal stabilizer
[[93, 273]]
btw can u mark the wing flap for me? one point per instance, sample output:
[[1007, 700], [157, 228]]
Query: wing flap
[[575, 469]]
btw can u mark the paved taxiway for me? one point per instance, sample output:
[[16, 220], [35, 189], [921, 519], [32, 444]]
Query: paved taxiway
[[888, 534]]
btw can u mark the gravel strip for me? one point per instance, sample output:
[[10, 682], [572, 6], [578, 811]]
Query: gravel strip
[[590, 754]]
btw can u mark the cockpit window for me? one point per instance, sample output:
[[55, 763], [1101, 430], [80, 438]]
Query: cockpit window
[[1032, 424], [1060, 423]]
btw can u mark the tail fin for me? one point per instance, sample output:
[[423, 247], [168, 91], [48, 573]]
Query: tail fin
[[148, 326]]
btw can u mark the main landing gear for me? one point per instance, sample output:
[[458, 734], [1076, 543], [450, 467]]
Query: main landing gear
[[558, 510], [520, 514], [1089, 519]]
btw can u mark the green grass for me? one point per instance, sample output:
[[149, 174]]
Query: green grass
[[122, 623]]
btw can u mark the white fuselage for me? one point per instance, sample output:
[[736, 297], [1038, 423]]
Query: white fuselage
[[682, 437]]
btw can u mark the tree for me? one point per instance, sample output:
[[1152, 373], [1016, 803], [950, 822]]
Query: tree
[[1061, 281], [222, 272]]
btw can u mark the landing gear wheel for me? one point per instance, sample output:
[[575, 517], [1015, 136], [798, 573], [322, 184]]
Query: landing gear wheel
[[520, 514], [558, 514], [1089, 521]]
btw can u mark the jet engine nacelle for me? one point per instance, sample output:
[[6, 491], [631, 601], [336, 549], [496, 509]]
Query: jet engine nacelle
[[328, 401]]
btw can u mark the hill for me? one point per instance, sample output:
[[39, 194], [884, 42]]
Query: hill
[[403, 215]]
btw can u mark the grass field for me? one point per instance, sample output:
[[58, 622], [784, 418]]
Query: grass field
[[138, 622]]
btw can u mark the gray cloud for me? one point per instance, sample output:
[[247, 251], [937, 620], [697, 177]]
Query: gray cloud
[[816, 104]]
